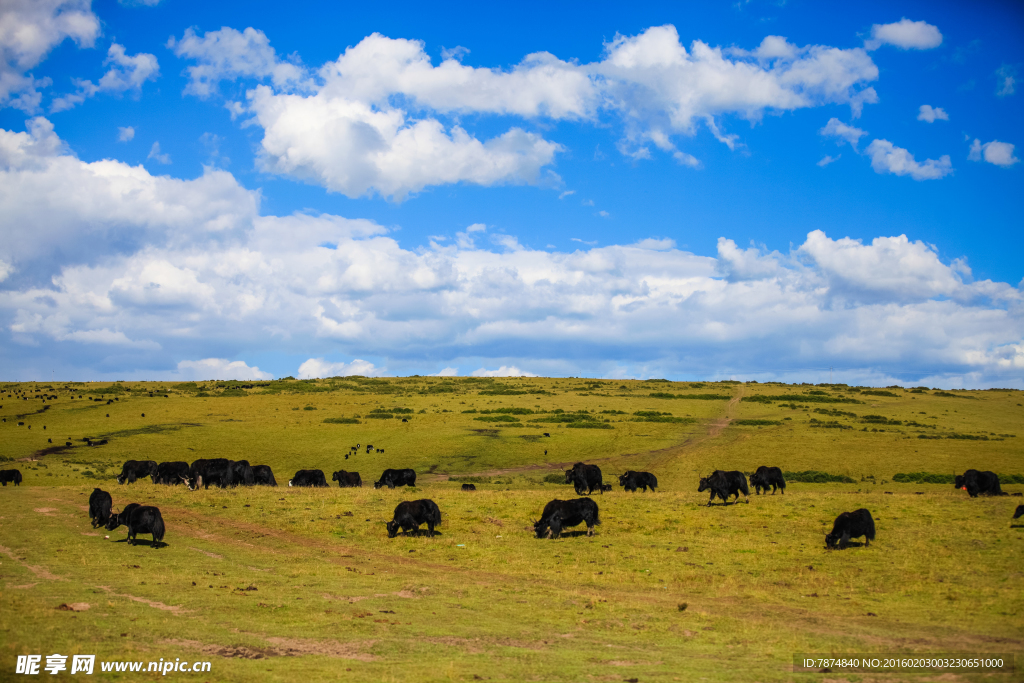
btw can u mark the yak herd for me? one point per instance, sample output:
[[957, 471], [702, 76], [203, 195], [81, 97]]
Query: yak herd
[[410, 515]]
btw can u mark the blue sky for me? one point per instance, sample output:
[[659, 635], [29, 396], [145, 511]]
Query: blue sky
[[739, 190]]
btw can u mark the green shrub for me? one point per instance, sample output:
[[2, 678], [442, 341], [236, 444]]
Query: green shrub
[[922, 478], [756, 423], [805, 398], [497, 418], [554, 479], [695, 397], [589, 425], [880, 393], [341, 421]]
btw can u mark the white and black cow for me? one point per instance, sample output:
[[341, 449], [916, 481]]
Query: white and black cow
[[851, 525], [768, 477], [347, 479], [559, 514], [132, 470], [100, 503], [631, 481], [393, 478], [11, 476], [410, 514], [314, 478]]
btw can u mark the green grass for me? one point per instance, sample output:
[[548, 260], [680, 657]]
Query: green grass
[[308, 581]]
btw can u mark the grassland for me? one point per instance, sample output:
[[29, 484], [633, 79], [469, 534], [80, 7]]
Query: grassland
[[277, 584]]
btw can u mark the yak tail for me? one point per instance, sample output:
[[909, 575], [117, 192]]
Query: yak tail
[[158, 527]]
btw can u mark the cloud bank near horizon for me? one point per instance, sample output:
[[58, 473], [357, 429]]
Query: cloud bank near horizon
[[199, 277]]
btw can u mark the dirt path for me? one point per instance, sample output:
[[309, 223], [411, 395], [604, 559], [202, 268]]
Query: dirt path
[[657, 458]]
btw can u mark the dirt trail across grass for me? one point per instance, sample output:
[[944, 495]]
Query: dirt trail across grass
[[658, 458]]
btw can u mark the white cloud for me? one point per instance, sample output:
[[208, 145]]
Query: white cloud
[[995, 152], [220, 368], [929, 114], [888, 158], [349, 147], [316, 368], [92, 206], [1006, 80], [503, 371], [29, 29], [827, 159], [197, 273], [127, 73], [904, 34], [155, 155], [566, 194], [228, 54], [447, 372], [837, 129], [370, 123], [125, 133]]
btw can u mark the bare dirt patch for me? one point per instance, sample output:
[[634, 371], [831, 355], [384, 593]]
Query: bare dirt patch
[[208, 554], [74, 606], [45, 511], [329, 648], [240, 651]]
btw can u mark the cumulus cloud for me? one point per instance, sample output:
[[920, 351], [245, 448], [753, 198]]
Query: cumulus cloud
[[503, 371], [371, 120], [995, 152], [125, 133], [888, 158], [929, 114], [352, 148], [228, 54], [837, 129], [904, 34], [316, 368], [196, 272], [219, 368], [446, 372], [29, 29], [828, 159], [126, 73], [104, 207]]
